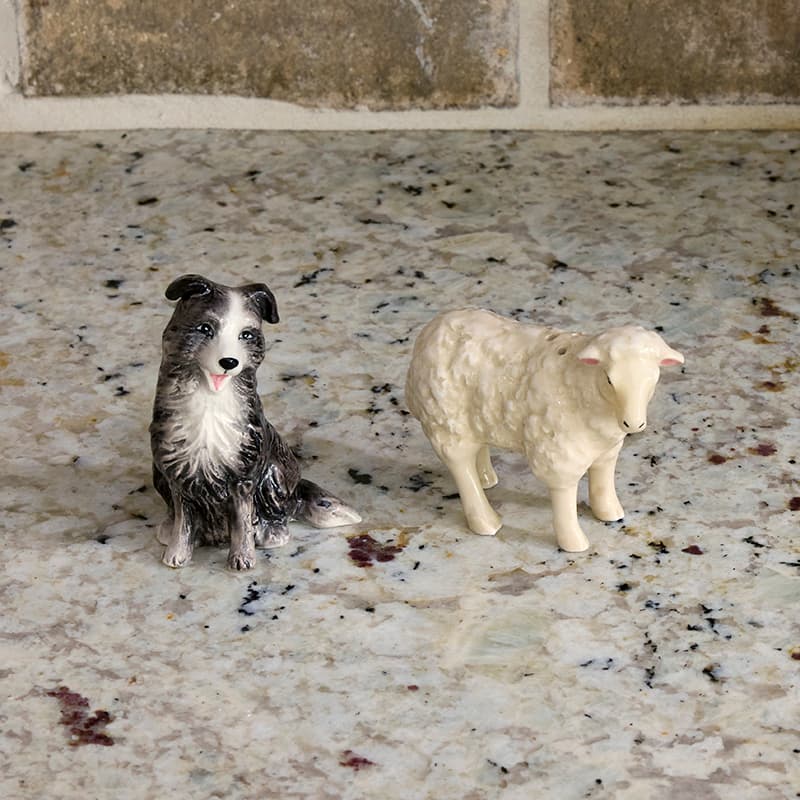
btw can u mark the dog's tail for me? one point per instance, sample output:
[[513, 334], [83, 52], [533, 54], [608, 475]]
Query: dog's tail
[[321, 509]]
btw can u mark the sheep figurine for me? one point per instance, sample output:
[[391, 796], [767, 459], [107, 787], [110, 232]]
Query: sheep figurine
[[565, 400]]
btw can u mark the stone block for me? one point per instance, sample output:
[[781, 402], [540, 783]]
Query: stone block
[[377, 54], [634, 52]]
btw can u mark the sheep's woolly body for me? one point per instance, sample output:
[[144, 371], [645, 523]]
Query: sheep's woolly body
[[480, 377]]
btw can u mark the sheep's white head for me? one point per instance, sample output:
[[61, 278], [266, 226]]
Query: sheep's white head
[[631, 358]]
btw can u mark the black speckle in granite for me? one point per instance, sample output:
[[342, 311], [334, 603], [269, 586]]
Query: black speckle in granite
[[102, 539], [359, 477], [253, 594], [418, 481], [384, 389], [26, 165], [288, 378], [694, 627], [110, 376], [712, 672], [7, 223], [244, 628], [493, 260], [311, 277], [288, 588], [147, 201], [121, 391], [752, 541], [659, 547], [83, 729], [624, 587]]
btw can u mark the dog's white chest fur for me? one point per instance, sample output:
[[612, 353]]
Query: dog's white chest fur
[[208, 430]]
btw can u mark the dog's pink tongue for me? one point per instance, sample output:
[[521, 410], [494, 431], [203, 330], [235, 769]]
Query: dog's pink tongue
[[218, 380]]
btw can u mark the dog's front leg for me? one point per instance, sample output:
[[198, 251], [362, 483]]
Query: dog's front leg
[[181, 539], [242, 554]]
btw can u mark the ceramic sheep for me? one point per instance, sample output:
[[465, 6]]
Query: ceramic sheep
[[565, 400]]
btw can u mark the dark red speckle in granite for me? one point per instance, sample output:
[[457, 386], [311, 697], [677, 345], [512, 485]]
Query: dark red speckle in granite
[[795, 655], [354, 761], [763, 449], [716, 458], [83, 728], [364, 550], [693, 550], [794, 504], [769, 308]]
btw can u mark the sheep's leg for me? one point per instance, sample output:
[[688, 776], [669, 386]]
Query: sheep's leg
[[602, 494], [461, 460], [569, 535], [485, 469]]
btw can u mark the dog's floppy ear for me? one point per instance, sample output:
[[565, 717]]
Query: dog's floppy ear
[[263, 299], [188, 286]]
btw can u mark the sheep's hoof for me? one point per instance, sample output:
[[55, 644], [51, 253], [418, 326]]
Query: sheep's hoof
[[575, 543], [608, 512], [486, 527]]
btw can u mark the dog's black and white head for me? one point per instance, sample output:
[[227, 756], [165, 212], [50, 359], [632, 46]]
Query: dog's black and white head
[[215, 330]]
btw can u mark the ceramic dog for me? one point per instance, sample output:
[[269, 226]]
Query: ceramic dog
[[222, 469]]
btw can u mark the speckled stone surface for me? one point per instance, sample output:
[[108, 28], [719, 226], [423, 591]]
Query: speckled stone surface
[[662, 663]]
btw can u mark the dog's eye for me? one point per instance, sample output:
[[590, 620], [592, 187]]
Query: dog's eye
[[247, 335], [206, 330]]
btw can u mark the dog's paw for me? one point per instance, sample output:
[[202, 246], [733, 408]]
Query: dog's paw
[[241, 561], [272, 536], [176, 558], [164, 532]]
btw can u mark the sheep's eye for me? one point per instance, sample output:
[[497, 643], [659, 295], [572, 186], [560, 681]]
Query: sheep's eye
[[206, 330], [247, 335]]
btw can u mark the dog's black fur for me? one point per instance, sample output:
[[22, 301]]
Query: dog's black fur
[[221, 467]]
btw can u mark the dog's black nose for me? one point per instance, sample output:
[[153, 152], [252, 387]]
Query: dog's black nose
[[229, 363]]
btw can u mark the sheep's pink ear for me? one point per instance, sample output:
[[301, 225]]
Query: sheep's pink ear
[[589, 355], [671, 358]]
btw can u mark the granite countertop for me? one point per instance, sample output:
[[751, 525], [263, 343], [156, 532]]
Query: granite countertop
[[664, 662]]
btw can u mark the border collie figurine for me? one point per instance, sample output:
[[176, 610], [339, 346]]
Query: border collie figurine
[[222, 469]]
